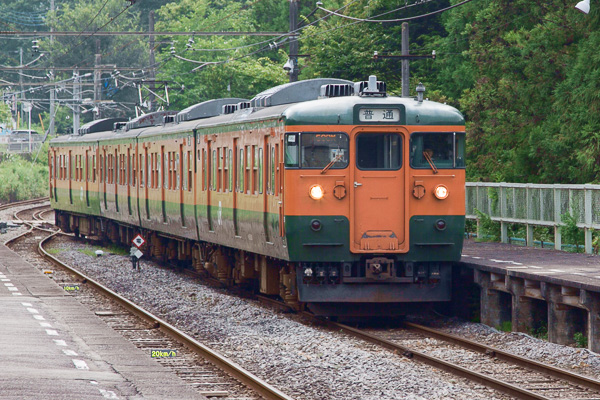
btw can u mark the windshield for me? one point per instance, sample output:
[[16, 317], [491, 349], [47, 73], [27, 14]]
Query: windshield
[[438, 149], [316, 150]]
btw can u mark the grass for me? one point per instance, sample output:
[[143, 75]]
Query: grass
[[541, 332], [112, 249], [580, 340], [505, 326]]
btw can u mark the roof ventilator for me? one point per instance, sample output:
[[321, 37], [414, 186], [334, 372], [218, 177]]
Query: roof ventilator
[[294, 92], [229, 108], [243, 105], [167, 119], [206, 109], [150, 119], [337, 90], [372, 87], [117, 126], [99, 125]]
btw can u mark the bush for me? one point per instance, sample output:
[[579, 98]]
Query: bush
[[22, 180]]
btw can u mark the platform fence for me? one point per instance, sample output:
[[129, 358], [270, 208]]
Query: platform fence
[[536, 205]]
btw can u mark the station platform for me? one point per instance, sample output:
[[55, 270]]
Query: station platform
[[54, 348], [526, 284]]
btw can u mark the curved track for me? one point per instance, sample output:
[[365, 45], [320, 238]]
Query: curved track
[[26, 243]]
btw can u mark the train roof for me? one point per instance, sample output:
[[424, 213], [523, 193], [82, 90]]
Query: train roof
[[333, 103]]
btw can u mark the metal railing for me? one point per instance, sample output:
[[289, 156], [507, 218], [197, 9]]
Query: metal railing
[[536, 205]]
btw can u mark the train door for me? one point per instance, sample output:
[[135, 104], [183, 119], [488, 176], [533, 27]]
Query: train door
[[87, 178], [235, 172], [55, 167], [210, 175], [128, 178], [70, 175], [162, 178], [104, 177], [180, 169], [148, 179], [265, 193], [378, 192], [116, 176], [279, 186]]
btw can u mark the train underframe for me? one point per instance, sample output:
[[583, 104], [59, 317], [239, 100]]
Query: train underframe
[[375, 285]]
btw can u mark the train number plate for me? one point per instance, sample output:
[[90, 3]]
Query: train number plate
[[379, 115]]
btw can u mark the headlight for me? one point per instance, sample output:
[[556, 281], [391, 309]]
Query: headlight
[[316, 192], [441, 192]]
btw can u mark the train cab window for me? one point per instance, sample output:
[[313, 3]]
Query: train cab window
[[379, 151], [440, 149], [316, 150]]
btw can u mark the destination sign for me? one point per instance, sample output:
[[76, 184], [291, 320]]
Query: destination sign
[[379, 115]]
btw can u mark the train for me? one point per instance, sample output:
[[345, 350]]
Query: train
[[329, 194]]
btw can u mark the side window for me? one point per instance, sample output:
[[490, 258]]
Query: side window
[[142, 170], [177, 172], [260, 170], [230, 160], [272, 174], [204, 170], [213, 169], [241, 171], [255, 170]]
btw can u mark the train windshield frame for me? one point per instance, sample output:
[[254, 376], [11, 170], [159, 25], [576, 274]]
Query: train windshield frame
[[445, 150], [316, 150]]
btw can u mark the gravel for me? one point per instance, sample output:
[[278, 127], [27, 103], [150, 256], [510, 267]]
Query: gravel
[[303, 361], [579, 360]]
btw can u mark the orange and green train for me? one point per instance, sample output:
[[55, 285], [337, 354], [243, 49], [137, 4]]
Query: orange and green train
[[327, 193]]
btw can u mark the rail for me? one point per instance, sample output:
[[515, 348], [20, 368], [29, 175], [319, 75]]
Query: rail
[[536, 205], [230, 367]]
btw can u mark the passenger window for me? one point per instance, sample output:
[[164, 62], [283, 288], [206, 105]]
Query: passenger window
[[379, 151]]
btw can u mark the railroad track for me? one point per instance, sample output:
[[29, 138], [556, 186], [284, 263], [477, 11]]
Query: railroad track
[[22, 203], [211, 373], [517, 376]]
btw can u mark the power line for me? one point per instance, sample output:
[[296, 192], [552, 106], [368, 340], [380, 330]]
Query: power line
[[134, 33], [395, 20]]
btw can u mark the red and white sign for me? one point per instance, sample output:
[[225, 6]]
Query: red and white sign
[[138, 241]]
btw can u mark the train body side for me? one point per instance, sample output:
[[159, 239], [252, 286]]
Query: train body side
[[226, 186]]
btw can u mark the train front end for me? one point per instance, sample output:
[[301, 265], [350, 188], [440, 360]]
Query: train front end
[[374, 201]]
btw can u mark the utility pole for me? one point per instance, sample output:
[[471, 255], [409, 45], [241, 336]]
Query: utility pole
[[53, 89], [152, 62], [97, 80], [405, 68], [294, 40], [76, 102]]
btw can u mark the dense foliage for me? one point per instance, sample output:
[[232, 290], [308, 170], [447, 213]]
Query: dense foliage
[[524, 72]]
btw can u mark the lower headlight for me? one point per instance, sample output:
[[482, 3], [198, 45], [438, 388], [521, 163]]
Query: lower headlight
[[441, 192], [316, 192]]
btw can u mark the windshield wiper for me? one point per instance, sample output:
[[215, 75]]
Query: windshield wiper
[[430, 161], [335, 159]]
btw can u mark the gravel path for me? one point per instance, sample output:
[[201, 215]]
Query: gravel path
[[304, 362]]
